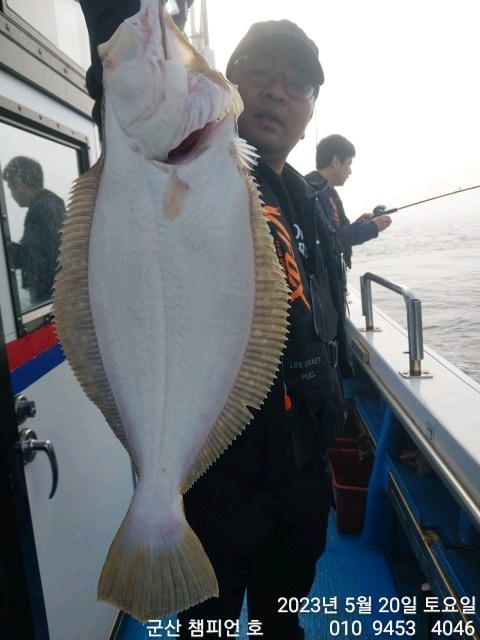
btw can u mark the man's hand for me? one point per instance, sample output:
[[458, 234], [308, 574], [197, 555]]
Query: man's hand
[[382, 222], [366, 217]]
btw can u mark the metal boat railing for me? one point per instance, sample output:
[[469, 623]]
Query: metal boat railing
[[414, 317]]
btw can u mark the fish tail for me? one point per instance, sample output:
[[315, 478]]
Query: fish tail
[[156, 575]]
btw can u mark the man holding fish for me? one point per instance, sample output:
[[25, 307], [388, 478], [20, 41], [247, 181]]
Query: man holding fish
[[261, 509]]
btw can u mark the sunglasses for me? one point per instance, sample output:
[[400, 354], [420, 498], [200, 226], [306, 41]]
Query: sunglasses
[[262, 71]]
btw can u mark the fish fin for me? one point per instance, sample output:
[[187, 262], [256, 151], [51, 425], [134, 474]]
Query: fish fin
[[264, 348], [71, 303], [150, 580], [245, 154]]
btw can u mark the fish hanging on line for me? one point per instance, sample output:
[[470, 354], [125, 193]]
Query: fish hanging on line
[[170, 303]]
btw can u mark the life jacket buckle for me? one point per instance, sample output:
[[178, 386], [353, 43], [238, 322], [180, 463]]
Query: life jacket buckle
[[332, 351]]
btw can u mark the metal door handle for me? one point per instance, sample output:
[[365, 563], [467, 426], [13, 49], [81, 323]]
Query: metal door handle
[[29, 446]]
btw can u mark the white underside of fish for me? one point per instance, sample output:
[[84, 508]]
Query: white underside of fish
[[171, 308]]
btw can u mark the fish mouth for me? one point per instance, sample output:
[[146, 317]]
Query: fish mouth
[[190, 146]]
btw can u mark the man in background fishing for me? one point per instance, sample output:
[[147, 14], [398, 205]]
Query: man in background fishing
[[261, 510], [334, 157]]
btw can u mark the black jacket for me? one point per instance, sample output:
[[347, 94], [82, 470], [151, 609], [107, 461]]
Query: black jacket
[[37, 253], [303, 209], [279, 442], [327, 252]]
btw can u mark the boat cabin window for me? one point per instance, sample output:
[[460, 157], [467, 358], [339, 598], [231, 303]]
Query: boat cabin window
[[60, 22], [37, 172]]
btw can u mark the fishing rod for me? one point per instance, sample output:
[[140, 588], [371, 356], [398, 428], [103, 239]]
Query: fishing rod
[[381, 209]]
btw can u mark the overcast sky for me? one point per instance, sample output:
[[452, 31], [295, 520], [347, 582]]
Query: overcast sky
[[402, 82]]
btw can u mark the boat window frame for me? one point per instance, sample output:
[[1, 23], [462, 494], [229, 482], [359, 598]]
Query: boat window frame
[[29, 121], [37, 35], [29, 55]]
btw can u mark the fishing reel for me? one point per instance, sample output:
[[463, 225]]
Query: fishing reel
[[379, 210]]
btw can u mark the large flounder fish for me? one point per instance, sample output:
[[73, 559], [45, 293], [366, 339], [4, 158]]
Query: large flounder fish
[[170, 303]]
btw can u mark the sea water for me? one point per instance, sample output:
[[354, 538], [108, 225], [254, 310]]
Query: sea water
[[433, 250]]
